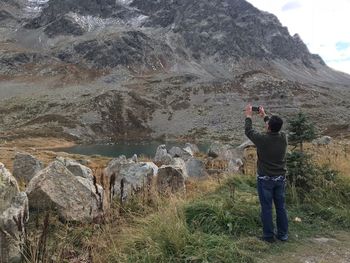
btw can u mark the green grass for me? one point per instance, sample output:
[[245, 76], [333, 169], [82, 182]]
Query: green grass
[[224, 225]]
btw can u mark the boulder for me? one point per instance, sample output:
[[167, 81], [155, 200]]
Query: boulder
[[153, 166], [25, 166], [235, 165], [191, 148], [170, 179], [95, 188], [107, 177], [76, 168], [73, 197], [324, 140], [195, 168], [214, 150], [115, 164], [134, 158], [244, 145], [132, 178], [162, 156], [181, 164], [178, 152], [13, 215], [222, 151]]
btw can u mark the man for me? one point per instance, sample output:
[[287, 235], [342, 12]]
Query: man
[[271, 150]]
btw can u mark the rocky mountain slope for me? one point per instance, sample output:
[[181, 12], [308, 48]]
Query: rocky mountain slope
[[102, 70]]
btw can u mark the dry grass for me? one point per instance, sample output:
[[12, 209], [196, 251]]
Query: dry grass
[[335, 155], [114, 238], [196, 188], [111, 243]]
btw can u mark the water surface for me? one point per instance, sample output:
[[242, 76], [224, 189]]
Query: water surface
[[125, 148]]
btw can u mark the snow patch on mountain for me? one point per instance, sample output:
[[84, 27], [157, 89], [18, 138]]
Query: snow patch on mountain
[[124, 2], [33, 8], [90, 23]]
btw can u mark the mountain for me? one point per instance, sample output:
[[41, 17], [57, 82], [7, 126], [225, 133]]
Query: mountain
[[106, 70]]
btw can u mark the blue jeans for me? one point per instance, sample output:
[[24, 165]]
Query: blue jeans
[[270, 189]]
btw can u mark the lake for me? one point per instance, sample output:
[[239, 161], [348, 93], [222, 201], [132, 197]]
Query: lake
[[125, 148]]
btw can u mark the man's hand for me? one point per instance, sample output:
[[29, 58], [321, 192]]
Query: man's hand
[[262, 112], [248, 111]]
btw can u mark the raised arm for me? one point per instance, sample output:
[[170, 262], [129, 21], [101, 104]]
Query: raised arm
[[252, 134]]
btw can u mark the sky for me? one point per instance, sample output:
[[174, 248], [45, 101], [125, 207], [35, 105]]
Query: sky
[[323, 25]]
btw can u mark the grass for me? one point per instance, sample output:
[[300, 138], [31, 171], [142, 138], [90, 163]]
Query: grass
[[221, 226], [335, 155], [216, 221]]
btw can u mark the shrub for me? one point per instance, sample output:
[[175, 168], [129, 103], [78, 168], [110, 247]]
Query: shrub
[[300, 130]]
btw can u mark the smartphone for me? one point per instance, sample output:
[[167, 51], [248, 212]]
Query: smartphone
[[254, 108]]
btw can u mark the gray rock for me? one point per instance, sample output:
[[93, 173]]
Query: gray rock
[[25, 166], [214, 150], [109, 176], [324, 140], [191, 148], [162, 156], [178, 152], [181, 164], [247, 143], [134, 158], [95, 188], [76, 168], [13, 215], [195, 168], [126, 177], [152, 166], [235, 165], [222, 151], [115, 164], [74, 198], [131, 178], [170, 179]]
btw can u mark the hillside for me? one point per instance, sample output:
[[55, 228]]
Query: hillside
[[117, 70]]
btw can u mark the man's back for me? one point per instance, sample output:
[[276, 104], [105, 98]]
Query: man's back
[[271, 150]]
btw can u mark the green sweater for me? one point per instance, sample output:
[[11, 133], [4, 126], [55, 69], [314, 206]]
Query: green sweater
[[271, 150]]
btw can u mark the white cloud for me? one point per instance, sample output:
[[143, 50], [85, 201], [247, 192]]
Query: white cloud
[[321, 25], [291, 5]]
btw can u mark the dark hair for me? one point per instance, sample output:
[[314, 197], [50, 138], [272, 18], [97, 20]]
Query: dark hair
[[275, 123]]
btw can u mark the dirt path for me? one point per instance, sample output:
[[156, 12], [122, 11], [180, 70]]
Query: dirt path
[[333, 249]]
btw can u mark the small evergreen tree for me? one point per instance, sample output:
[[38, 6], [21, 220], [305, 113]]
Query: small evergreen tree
[[300, 166], [301, 170], [300, 130]]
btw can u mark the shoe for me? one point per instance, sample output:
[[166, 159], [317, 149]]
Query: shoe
[[268, 239], [283, 238]]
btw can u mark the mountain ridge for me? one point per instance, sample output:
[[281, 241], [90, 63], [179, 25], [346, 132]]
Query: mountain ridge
[[167, 65]]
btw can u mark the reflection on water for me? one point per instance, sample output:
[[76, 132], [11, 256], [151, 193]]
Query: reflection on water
[[125, 148]]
